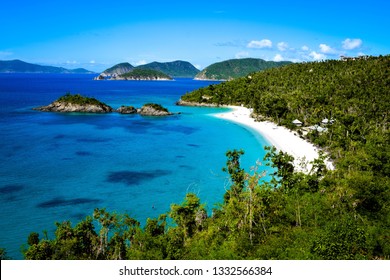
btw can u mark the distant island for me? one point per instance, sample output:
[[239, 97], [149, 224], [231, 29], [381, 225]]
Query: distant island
[[236, 68], [124, 70], [19, 66], [72, 103]]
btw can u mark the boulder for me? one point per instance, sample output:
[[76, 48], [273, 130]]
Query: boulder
[[153, 110], [127, 110]]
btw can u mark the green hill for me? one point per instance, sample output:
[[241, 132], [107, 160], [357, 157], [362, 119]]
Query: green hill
[[18, 66], [235, 68], [177, 68], [119, 69]]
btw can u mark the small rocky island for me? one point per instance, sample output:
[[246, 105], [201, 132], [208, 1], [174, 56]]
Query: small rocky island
[[137, 75], [78, 103], [126, 110], [152, 109]]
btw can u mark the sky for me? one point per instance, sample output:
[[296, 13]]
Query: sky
[[98, 34]]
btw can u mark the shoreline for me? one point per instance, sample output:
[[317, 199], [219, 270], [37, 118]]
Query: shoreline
[[282, 138]]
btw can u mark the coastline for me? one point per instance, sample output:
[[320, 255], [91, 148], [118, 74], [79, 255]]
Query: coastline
[[282, 138]]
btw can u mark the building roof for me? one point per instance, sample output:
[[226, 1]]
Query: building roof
[[296, 121]]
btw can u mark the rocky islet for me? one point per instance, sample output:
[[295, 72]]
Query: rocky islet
[[80, 104]]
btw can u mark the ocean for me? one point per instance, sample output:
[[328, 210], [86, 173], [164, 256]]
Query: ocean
[[61, 166]]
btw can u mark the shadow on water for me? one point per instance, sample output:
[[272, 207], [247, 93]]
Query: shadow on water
[[83, 153], [11, 189], [57, 202], [193, 145], [132, 178], [94, 140]]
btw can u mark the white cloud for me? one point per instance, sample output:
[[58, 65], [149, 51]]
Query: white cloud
[[282, 46], [278, 57], [326, 49], [317, 56], [198, 66], [242, 54], [140, 62], [92, 62], [71, 62], [350, 44], [265, 43], [305, 48]]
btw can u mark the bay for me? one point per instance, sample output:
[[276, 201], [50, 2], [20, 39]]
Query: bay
[[58, 167]]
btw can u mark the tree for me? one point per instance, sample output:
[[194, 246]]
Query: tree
[[237, 174], [189, 215]]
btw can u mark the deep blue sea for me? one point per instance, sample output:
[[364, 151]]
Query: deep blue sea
[[61, 166]]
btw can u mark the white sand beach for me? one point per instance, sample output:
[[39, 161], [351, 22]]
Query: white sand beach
[[282, 138]]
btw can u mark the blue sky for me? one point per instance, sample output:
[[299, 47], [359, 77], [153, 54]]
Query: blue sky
[[98, 34]]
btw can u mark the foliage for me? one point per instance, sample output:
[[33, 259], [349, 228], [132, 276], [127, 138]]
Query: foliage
[[79, 100], [3, 254], [155, 106], [235, 68]]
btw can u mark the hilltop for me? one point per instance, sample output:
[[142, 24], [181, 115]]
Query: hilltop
[[235, 68], [178, 68], [19, 66], [118, 69]]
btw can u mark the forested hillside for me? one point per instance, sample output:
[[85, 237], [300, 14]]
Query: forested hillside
[[176, 68], [340, 214], [235, 68]]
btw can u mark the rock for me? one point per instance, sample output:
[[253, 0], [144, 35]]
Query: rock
[[153, 110], [101, 77], [127, 110], [69, 107], [195, 104]]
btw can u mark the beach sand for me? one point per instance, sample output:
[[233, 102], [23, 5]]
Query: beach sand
[[282, 138]]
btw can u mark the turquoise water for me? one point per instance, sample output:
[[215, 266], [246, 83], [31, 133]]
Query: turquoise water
[[58, 167]]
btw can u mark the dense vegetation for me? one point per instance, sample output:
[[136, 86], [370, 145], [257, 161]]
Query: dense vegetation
[[341, 214], [177, 68], [142, 74], [157, 107], [78, 99], [235, 68]]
